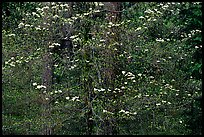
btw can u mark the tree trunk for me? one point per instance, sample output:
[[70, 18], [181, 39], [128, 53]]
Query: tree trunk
[[111, 67], [47, 82], [89, 89]]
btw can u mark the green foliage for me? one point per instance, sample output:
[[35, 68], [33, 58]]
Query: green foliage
[[155, 49]]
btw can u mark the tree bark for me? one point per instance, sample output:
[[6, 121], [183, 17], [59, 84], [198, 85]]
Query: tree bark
[[47, 82], [110, 70]]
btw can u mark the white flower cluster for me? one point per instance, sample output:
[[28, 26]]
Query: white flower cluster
[[46, 8], [168, 86], [72, 67], [56, 91], [35, 14], [76, 98], [163, 102], [39, 86], [127, 112], [159, 40], [21, 25], [139, 28], [148, 11], [151, 15], [195, 3], [129, 75], [18, 60], [99, 90], [10, 62], [166, 5], [10, 35], [75, 38], [200, 46], [139, 74], [158, 104], [98, 3], [141, 17], [108, 112], [116, 90], [110, 24], [54, 45], [138, 96], [15, 61], [151, 77], [80, 16], [192, 32]]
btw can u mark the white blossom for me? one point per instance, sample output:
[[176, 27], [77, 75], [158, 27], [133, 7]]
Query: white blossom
[[35, 84], [51, 46], [74, 36], [38, 9], [122, 87], [163, 101], [139, 74], [41, 86], [139, 28], [97, 11], [141, 17], [74, 98], [56, 16], [158, 104], [159, 40], [10, 35], [169, 103], [105, 111], [122, 111], [100, 4], [45, 8], [95, 89], [20, 25], [151, 77], [37, 28], [86, 14], [148, 11]]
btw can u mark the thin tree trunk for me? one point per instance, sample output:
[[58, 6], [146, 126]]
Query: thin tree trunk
[[111, 69], [47, 76], [88, 85], [47, 82]]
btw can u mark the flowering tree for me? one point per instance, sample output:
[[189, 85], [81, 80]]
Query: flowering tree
[[130, 68]]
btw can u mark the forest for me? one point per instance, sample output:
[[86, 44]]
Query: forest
[[101, 68]]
